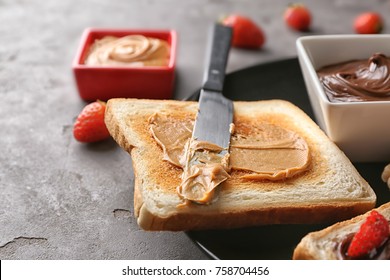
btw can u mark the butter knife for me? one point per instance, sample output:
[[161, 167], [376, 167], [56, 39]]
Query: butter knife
[[206, 154], [215, 111]]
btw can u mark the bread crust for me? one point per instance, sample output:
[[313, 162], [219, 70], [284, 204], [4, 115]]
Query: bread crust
[[342, 192], [322, 244]]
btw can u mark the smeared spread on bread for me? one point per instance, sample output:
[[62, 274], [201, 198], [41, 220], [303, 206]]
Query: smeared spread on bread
[[268, 151], [204, 169], [363, 237], [329, 190], [258, 151], [380, 253]]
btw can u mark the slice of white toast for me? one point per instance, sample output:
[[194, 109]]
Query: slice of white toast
[[329, 190], [327, 244]]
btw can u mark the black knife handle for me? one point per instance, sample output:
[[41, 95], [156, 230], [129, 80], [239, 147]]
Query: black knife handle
[[218, 56]]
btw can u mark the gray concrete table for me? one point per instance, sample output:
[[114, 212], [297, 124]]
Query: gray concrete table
[[63, 200]]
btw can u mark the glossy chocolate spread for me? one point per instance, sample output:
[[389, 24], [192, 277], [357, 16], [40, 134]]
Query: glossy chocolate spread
[[357, 80]]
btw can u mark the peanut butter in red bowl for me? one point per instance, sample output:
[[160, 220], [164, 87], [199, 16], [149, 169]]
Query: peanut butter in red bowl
[[125, 63], [130, 50]]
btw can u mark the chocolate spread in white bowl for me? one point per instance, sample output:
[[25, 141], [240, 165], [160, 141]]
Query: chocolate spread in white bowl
[[357, 80]]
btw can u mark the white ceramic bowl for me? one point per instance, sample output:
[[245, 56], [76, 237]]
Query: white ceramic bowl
[[360, 129]]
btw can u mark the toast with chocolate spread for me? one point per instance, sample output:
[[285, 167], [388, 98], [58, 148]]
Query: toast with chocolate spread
[[332, 243], [282, 168]]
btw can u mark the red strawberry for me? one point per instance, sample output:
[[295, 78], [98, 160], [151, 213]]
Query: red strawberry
[[246, 34], [298, 17], [89, 125], [368, 23], [372, 233]]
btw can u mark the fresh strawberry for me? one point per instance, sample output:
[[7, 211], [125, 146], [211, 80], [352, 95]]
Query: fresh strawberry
[[89, 125], [298, 17], [368, 23], [246, 34], [372, 233]]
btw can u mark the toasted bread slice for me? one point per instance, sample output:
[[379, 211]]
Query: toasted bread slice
[[330, 190], [325, 244]]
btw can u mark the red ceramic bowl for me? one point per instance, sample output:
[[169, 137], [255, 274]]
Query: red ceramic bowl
[[105, 82]]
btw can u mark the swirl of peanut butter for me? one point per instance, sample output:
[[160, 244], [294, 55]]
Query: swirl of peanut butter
[[131, 50]]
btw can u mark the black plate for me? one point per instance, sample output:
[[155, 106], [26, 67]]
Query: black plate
[[276, 80]]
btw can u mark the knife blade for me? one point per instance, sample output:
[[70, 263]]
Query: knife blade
[[215, 113], [207, 152]]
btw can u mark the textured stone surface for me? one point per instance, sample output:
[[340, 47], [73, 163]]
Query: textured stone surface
[[63, 200]]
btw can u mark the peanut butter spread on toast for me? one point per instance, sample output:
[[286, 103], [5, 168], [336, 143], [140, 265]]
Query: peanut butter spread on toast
[[263, 151], [205, 168]]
